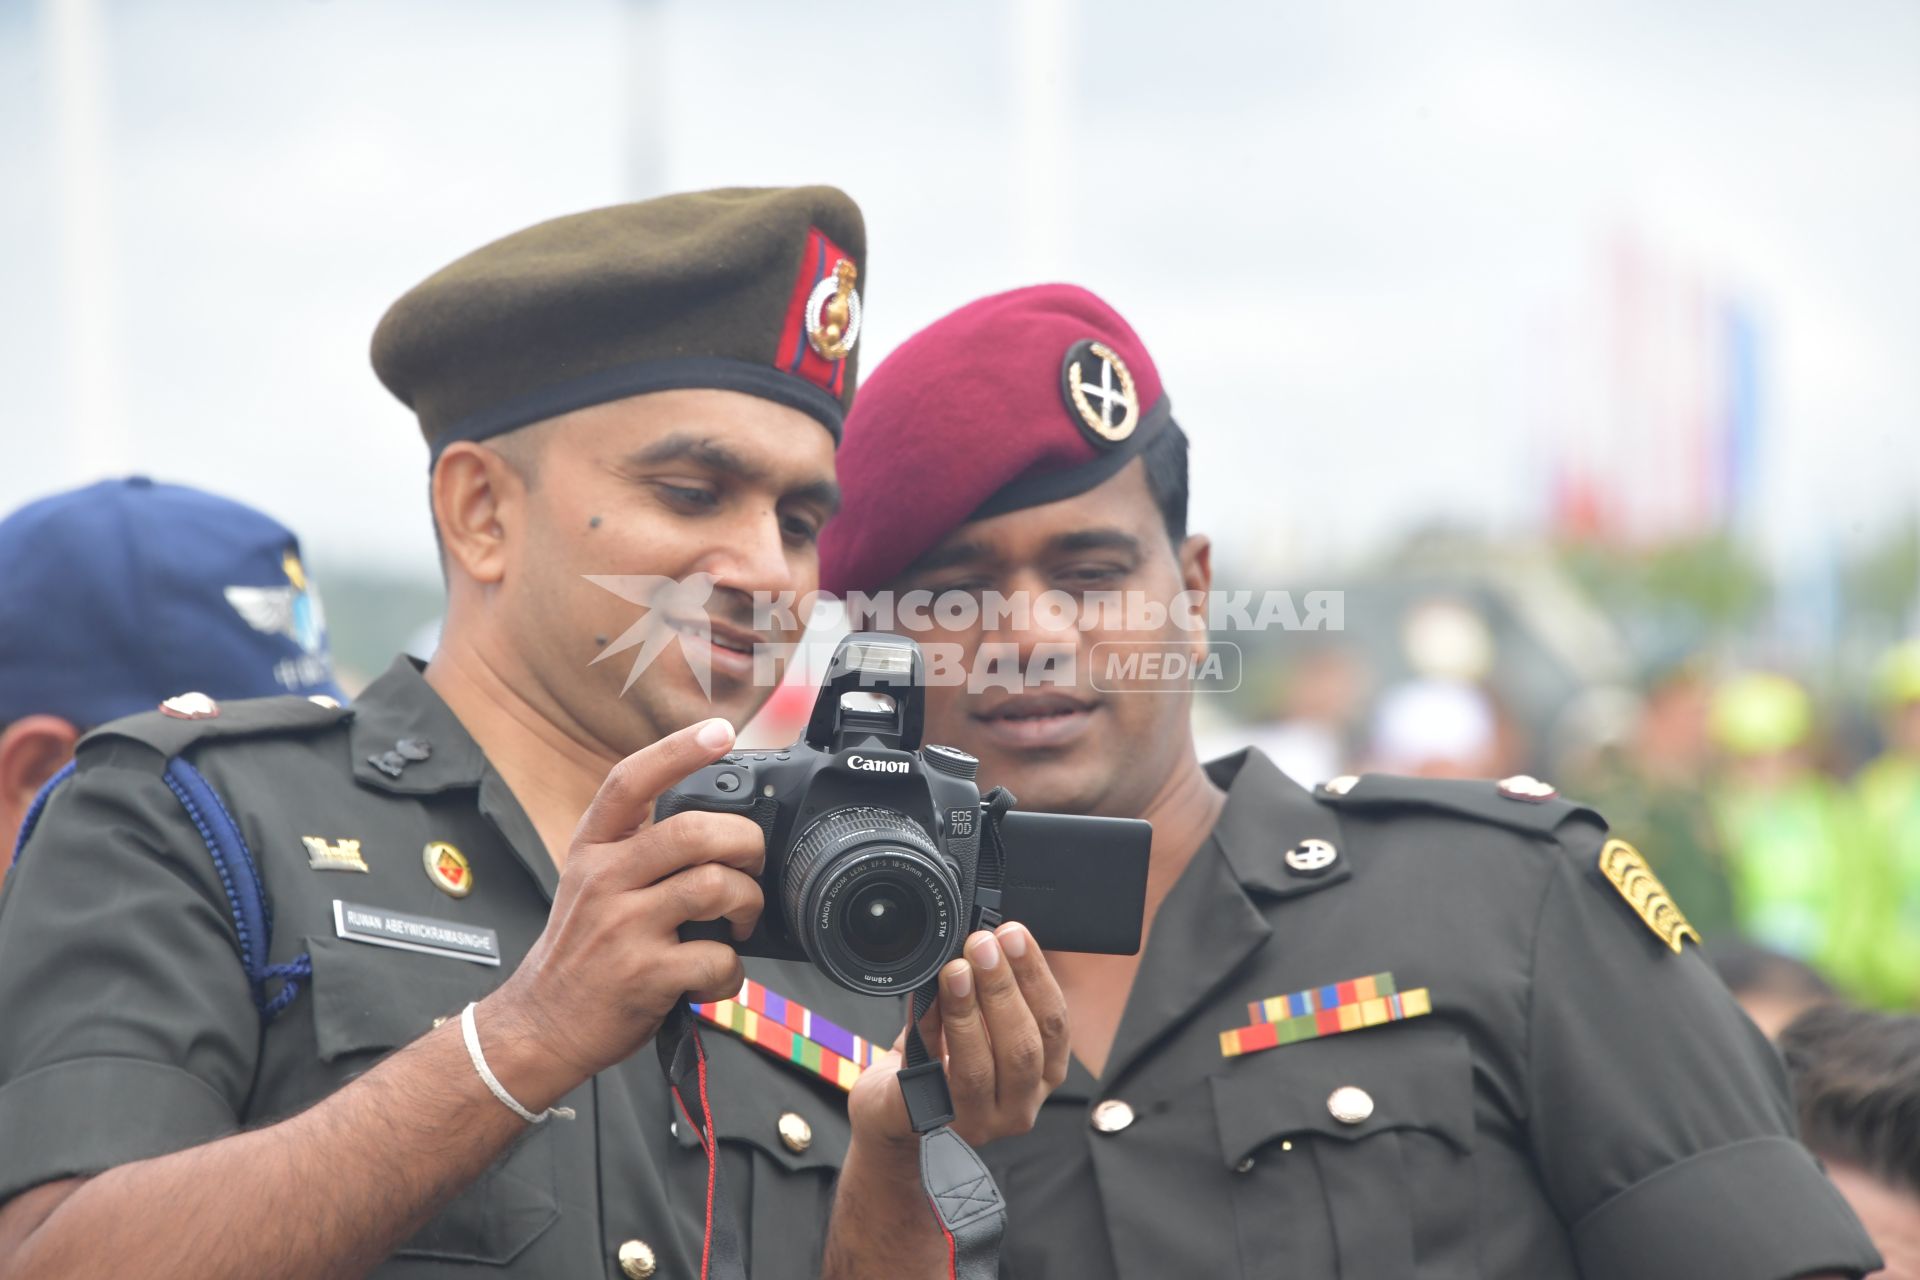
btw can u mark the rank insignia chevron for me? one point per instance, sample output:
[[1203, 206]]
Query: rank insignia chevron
[[1628, 872]]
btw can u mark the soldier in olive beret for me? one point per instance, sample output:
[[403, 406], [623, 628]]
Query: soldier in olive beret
[[298, 990]]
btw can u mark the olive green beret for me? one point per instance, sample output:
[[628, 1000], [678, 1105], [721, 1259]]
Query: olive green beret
[[751, 290]]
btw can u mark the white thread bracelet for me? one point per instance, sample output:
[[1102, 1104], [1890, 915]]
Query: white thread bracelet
[[471, 1034]]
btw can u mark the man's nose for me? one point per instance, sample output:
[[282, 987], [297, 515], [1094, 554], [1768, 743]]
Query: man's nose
[[754, 556], [1035, 618]]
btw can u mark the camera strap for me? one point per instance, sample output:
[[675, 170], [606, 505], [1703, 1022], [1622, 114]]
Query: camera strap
[[683, 1060], [965, 1199], [958, 1184]]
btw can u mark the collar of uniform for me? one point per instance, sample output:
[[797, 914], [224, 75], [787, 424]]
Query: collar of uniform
[[1210, 922], [399, 705], [1266, 814]]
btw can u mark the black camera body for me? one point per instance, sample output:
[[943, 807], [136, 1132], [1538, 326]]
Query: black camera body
[[880, 860]]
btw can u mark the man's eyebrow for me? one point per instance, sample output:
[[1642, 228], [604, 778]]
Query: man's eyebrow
[[953, 553], [718, 458], [682, 447], [824, 494], [1094, 540]]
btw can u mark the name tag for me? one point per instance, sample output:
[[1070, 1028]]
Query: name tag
[[385, 928]]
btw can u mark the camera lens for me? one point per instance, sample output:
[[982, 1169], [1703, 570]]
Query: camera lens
[[883, 924], [871, 902]]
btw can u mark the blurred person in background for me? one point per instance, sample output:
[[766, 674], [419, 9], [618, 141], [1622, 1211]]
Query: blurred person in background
[[1856, 1081], [1436, 728], [1652, 786], [423, 1059], [1774, 988], [119, 595], [1316, 714], [1805, 880], [1888, 790], [1387, 1027]]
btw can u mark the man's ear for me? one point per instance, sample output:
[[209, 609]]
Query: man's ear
[[477, 499], [32, 749], [1196, 563], [1196, 576]]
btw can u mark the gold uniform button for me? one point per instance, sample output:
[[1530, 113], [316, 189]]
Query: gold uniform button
[[1112, 1116], [636, 1260], [795, 1132], [1341, 785], [1350, 1104]]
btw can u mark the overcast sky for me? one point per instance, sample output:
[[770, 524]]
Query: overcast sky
[[1338, 226]]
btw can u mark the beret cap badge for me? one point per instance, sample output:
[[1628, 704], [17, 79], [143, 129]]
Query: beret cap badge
[[833, 313], [1100, 391]]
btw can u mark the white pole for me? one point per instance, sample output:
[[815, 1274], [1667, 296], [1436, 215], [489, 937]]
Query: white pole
[[647, 103], [88, 282], [1043, 90]]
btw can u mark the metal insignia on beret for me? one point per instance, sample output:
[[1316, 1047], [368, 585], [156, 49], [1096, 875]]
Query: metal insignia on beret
[[1628, 872], [833, 313], [1099, 390]]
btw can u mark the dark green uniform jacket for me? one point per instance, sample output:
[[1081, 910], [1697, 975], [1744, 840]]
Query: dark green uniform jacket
[[1581, 1101], [127, 1027]]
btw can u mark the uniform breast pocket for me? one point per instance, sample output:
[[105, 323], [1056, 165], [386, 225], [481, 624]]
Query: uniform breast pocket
[[1351, 1156], [368, 1001], [783, 1137]]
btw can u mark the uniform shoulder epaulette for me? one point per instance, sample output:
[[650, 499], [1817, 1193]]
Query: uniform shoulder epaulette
[[1518, 803], [191, 718], [1534, 808]]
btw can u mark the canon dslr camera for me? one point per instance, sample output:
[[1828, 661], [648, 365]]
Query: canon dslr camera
[[882, 858]]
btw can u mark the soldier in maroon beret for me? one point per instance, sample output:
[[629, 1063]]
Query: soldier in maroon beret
[[1389, 1027]]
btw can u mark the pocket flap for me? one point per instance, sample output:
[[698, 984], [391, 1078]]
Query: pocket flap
[[373, 999], [1414, 1075], [770, 1105], [368, 998]]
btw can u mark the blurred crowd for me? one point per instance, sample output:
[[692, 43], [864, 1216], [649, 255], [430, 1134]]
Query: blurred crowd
[[1727, 780]]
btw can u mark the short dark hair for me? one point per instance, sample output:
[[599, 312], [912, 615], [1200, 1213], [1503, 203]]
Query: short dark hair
[[1165, 460], [1856, 1082]]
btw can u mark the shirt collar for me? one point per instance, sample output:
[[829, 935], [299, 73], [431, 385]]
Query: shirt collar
[[1212, 919], [398, 720], [1268, 815]]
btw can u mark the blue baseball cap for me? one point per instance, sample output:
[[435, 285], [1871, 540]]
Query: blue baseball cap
[[124, 593]]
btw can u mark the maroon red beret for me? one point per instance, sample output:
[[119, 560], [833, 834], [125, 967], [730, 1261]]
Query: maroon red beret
[[1019, 399]]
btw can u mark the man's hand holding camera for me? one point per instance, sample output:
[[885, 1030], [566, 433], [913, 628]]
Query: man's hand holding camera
[[611, 963], [1000, 1026]]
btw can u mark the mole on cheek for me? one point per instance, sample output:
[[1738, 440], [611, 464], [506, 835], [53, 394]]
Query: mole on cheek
[[600, 640], [593, 522]]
